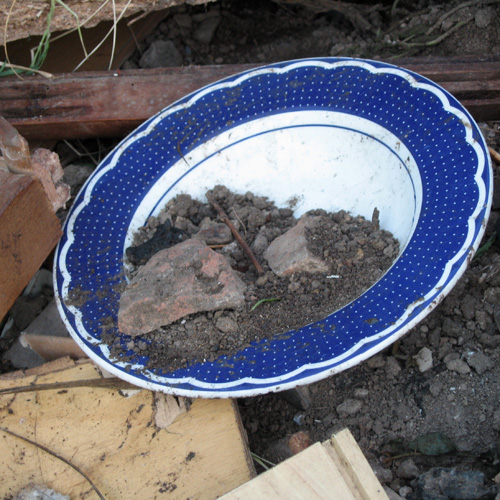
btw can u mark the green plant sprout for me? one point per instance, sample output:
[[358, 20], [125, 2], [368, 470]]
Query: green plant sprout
[[486, 246], [261, 301], [266, 464]]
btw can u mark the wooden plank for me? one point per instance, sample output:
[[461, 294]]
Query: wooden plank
[[114, 103], [98, 104], [450, 69], [29, 230], [310, 474], [51, 347], [115, 441], [356, 465], [323, 471]]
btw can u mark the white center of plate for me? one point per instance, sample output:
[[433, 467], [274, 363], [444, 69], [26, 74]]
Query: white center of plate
[[303, 160]]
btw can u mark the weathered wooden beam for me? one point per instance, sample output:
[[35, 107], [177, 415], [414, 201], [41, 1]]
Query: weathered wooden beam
[[29, 230], [98, 104], [113, 103]]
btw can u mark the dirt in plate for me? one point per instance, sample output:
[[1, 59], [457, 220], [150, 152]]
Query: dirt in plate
[[356, 251]]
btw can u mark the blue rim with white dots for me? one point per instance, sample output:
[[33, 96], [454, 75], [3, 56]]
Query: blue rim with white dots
[[333, 133]]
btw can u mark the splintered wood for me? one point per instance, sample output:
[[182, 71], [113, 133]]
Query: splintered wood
[[114, 440], [334, 470]]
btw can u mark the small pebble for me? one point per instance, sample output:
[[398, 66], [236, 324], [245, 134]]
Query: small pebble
[[407, 469], [435, 388], [392, 367], [226, 325], [349, 408], [423, 359], [479, 362], [458, 365], [361, 393]]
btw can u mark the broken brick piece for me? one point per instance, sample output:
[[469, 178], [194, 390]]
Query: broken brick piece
[[288, 446], [45, 166], [184, 279], [288, 254]]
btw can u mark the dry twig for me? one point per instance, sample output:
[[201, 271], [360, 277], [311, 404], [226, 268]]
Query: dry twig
[[494, 155], [236, 234], [56, 455], [463, 5], [103, 383], [440, 38]]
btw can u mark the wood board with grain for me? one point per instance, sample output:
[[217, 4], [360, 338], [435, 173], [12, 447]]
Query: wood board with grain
[[333, 470], [113, 438], [113, 103], [29, 230]]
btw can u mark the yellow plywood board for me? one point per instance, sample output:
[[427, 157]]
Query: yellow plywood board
[[334, 470], [114, 439]]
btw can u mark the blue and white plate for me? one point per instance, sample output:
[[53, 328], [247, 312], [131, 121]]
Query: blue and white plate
[[324, 133]]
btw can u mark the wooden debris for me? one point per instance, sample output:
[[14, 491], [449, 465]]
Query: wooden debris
[[114, 440], [31, 190], [78, 105], [29, 230], [55, 455], [108, 383], [334, 470], [51, 347], [98, 104], [494, 155], [168, 408], [349, 458]]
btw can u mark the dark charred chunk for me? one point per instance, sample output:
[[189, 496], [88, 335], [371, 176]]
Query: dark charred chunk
[[165, 236]]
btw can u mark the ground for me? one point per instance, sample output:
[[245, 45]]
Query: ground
[[387, 399], [395, 397]]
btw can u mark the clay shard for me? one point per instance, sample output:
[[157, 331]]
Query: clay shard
[[47, 168], [181, 280], [288, 254]]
